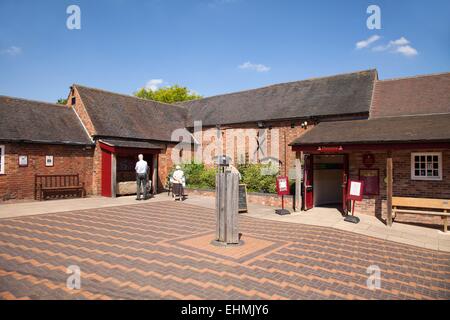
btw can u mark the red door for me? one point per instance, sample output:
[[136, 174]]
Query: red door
[[106, 174], [308, 182], [345, 184]]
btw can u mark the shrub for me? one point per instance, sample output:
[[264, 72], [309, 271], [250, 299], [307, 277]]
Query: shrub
[[256, 181], [257, 177]]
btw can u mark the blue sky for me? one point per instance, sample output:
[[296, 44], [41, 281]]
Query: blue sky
[[212, 46]]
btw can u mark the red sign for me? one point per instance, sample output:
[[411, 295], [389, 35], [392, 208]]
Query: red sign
[[355, 190], [283, 186], [330, 149]]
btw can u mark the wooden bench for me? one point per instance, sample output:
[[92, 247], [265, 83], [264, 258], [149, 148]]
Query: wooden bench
[[57, 184], [422, 206]]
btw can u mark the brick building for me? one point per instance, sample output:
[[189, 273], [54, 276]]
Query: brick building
[[335, 125], [31, 132], [408, 126]]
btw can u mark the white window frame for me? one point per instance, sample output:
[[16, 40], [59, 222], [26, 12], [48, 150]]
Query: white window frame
[[2, 159], [413, 175]]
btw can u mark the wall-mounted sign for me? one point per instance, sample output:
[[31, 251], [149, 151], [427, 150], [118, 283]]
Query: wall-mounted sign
[[283, 185], [23, 161], [371, 180], [368, 159], [355, 190], [49, 161], [330, 149]]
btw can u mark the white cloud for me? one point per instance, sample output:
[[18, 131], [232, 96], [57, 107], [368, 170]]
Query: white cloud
[[153, 84], [12, 51], [407, 51], [399, 42], [365, 43], [401, 45], [255, 67]]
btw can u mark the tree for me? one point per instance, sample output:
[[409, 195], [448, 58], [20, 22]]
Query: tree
[[168, 94], [61, 101]]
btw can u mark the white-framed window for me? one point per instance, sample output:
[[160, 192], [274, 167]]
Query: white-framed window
[[426, 166], [2, 159]]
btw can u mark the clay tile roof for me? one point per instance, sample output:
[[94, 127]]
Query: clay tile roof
[[427, 94], [41, 122], [328, 96], [405, 129], [122, 116]]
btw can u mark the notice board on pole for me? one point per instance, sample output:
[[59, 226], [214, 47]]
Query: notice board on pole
[[355, 190]]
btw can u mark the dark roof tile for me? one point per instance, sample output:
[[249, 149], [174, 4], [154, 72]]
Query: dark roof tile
[[33, 121], [405, 129], [328, 96]]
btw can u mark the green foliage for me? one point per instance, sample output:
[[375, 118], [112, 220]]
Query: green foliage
[[257, 177], [170, 94], [61, 101], [199, 176]]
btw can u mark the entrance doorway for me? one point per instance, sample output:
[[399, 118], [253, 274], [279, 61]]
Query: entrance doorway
[[325, 181], [328, 170]]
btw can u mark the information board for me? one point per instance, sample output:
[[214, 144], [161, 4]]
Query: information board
[[355, 190], [243, 198]]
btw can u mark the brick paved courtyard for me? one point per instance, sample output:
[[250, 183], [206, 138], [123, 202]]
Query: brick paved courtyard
[[161, 250]]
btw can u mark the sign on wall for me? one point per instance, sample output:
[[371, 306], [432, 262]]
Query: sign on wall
[[49, 161], [371, 181], [23, 161]]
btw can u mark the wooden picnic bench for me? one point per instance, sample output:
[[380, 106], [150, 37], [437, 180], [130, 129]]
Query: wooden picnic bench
[[432, 207], [57, 185]]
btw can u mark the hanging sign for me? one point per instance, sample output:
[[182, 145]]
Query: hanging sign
[[330, 149], [355, 190], [282, 185]]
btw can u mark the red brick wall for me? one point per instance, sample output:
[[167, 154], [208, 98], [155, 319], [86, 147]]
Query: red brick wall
[[81, 111], [165, 164], [283, 127], [403, 185], [18, 182], [272, 200]]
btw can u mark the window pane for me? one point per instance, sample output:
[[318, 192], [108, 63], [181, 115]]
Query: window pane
[[417, 166], [435, 158], [417, 173], [422, 158], [429, 158], [416, 158], [436, 173], [422, 165], [436, 165], [422, 173], [429, 173]]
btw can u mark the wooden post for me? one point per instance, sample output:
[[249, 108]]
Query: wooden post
[[298, 181], [113, 175], [227, 207], [389, 187], [155, 174]]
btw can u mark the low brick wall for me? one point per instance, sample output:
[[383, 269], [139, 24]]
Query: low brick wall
[[265, 199]]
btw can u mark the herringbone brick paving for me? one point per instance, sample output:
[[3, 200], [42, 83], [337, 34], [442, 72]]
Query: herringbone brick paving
[[161, 251]]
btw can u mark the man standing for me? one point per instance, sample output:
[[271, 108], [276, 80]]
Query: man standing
[[141, 177]]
